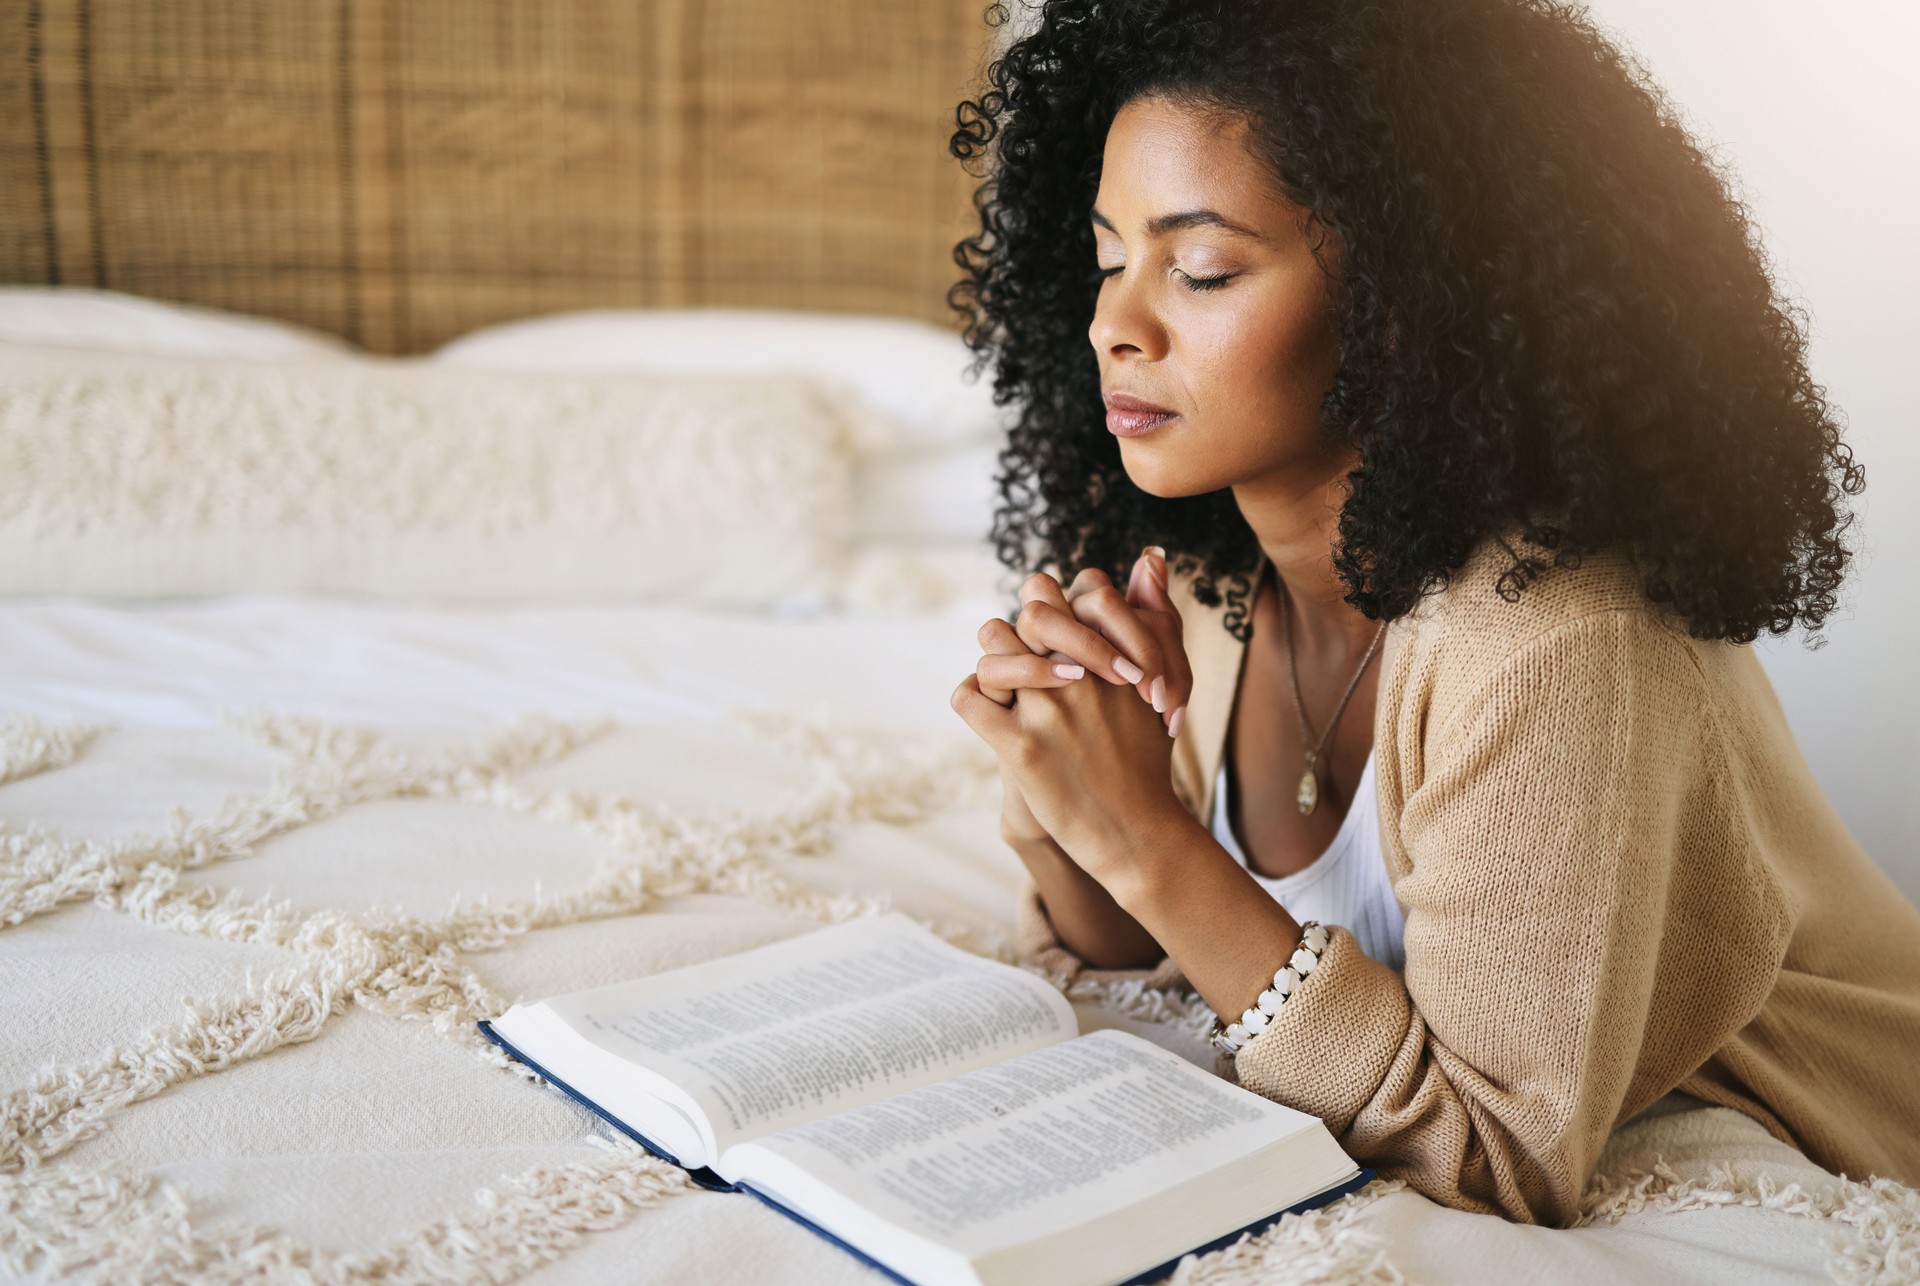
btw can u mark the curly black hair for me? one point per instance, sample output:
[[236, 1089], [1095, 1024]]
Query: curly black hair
[[1554, 313]]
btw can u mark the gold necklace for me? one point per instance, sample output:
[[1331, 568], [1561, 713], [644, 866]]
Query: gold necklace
[[1307, 796]]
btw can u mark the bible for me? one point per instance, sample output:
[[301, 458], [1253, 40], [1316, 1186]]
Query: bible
[[936, 1113]]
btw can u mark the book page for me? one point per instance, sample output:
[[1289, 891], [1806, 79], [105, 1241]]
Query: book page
[[822, 1022], [1026, 1147]]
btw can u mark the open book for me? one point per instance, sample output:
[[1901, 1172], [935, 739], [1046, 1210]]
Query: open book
[[934, 1112]]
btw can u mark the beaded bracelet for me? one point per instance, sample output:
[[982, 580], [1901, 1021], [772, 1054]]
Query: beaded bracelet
[[1303, 961]]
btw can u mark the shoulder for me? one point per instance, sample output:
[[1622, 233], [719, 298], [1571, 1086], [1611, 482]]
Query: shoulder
[[1509, 594], [1513, 626]]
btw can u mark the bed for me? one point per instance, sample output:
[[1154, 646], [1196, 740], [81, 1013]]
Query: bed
[[268, 858], [306, 766]]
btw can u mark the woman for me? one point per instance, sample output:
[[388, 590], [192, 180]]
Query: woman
[[1423, 327]]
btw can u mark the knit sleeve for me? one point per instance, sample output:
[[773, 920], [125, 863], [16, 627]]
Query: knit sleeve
[[1546, 817]]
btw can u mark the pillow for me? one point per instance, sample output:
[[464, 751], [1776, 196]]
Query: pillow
[[920, 497], [904, 580], [140, 476], [106, 319], [908, 370]]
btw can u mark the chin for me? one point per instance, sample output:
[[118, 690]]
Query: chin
[[1167, 474]]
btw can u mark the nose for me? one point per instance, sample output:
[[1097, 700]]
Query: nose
[[1124, 324]]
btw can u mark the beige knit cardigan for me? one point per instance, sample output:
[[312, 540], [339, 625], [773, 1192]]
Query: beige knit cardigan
[[1620, 879]]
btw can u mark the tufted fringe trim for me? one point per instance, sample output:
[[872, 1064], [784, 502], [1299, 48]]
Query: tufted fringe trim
[[530, 1220], [63, 1105], [1134, 999], [29, 746], [334, 770], [129, 1228], [1314, 1248], [1877, 1222]]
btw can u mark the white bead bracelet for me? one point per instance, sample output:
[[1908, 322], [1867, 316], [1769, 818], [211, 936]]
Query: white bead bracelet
[[1286, 979]]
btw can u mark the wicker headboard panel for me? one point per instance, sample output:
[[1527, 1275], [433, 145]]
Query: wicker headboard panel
[[402, 171]]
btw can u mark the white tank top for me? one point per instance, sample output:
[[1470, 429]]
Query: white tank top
[[1346, 885]]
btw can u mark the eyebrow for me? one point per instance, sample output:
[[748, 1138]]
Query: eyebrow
[[1161, 224]]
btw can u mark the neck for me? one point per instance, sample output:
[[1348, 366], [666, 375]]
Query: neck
[[1295, 517]]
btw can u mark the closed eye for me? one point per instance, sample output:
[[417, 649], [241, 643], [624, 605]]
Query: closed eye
[[1209, 283], [1193, 283]]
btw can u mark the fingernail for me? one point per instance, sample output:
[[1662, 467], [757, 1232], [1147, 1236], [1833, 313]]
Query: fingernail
[[1069, 671], [1173, 724], [1158, 694], [1128, 670], [1157, 566]]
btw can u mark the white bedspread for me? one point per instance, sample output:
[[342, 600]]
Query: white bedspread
[[266, 860]]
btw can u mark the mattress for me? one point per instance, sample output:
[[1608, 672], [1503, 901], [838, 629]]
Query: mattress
[[266, 859]]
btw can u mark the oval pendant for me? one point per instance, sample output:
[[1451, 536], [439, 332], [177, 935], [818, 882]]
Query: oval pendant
[[1308, 796]]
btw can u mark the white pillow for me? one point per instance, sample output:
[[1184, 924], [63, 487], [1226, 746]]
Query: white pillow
[[156, 476], [104, 319], [909, 370], [944, 496]]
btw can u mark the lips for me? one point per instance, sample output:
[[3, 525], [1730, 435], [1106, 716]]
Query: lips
[[1129, 416]]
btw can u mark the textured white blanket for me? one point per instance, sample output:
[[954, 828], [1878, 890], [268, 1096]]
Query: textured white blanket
[[240, 959]]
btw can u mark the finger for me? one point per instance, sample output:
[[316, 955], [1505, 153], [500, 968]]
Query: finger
[[1040, 587], [1046, 629], [1089, 578], [1000, 638], [1107, 610], [991, 721], [1148, 596], [997, 638], [1148, 593], [1148, 584], [1177, 689], [1043, 588], [1005, 673]]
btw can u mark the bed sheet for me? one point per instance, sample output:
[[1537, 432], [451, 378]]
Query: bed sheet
[[266, 859]]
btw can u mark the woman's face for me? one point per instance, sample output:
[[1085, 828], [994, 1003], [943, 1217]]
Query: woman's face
[[1212, 307]]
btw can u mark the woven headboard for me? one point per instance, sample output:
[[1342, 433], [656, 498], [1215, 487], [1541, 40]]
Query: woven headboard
[[402, 171]]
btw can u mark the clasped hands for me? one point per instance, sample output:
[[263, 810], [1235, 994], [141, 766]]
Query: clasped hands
[[1080, 697]]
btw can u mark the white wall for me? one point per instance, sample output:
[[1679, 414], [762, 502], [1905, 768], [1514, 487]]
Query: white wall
[[1818, 109]]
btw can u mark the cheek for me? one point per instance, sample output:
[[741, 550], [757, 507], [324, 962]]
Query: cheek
[[1255, 369], [1264, 361]]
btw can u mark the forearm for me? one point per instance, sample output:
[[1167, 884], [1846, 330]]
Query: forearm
[[1084, 915], [1203, 908]]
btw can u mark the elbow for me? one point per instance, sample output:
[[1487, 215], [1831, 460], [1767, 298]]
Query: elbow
[[1489, 1171]]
